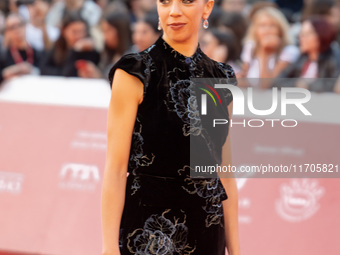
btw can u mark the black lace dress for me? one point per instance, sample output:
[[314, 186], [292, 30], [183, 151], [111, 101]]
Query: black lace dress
[[167, 212]]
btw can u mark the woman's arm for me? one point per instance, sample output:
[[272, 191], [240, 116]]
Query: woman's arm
[[337, 86], [127, 93], [230, 205]]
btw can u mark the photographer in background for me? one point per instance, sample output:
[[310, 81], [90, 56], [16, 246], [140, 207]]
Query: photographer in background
[[73, 47], [38, 34], [117, 40], [88, 10], [18, 58]]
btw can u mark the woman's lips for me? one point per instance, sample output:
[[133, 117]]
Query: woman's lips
[[176, 26]]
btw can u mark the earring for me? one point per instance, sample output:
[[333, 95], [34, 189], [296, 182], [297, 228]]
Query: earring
[[159, 26], [205, 24]]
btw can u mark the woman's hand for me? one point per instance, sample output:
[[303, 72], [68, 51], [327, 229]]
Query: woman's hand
[[85, 44], [87, 69], [17, 70], [270, 42]]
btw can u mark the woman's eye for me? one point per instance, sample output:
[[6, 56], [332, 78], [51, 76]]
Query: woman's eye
[[164, 1], [188, 1]]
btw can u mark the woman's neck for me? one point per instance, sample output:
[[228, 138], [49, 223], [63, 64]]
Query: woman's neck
[[313, 55], [264, 52], [187, 48]]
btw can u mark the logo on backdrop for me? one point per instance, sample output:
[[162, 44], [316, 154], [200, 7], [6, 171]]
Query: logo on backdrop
[[243, 102], [11, 182], [79, 176], [204, 97], [299, 200]]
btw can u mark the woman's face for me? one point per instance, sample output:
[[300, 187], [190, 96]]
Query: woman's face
[[212, 48], [74, 32], [234, 5], [209, 44], [181, 19], [267, 32], [143, 35], [309, 40], [15, 29], [110, 35]]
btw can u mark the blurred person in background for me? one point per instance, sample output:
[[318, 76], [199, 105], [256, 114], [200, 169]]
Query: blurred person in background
[[268, 46], [102, 3], [337, 86], [2, 27], [117, 39], [317, 59], [260, 5], [113, 6], [221, 46], [12, 6], [71, 50], [20, 7], [4, 7], [293, 6], [215, 16], [329, 10], [88, 10], [40, 35], [145, 32], [18, 57], [139, 8], [236, 6], [238, 24]]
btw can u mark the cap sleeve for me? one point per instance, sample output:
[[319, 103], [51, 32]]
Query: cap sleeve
[[133, 64], [230, 78]]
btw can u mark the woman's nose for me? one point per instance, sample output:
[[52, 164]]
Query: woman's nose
[[175, 8]]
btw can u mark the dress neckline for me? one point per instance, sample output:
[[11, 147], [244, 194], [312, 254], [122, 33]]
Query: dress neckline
[[167, 47]]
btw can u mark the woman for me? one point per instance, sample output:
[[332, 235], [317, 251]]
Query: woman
[[145, 31], [40, 35], [19, 58], [117, 40], [318, 59], [221, 46], [70, 51], [152, 119], [89, 11], [238, 24], [267, 50]]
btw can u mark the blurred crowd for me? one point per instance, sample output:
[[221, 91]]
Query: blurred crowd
[[259, 39]]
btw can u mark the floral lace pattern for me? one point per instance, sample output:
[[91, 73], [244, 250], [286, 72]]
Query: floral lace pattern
[[184, 103], [161, 236], [210, 190], [137, 156]]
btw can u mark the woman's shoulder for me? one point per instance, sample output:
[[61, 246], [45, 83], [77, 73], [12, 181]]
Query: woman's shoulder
[[138, 64], [224, 73], [225, 70]]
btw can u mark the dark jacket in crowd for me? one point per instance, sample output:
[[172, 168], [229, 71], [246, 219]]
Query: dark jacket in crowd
[[67, 68], [328, 67], [7, 60]]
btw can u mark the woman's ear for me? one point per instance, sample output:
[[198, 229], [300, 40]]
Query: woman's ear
[[208, 8]]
